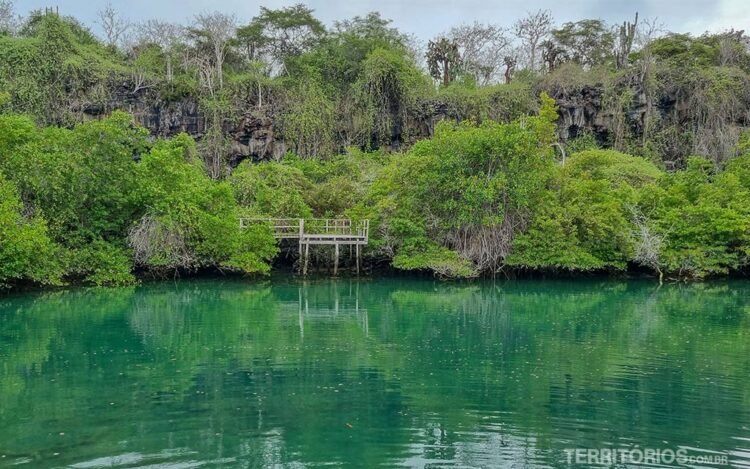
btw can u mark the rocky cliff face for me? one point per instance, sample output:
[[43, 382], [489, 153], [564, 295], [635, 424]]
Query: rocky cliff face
[[254, 135], [582, 112], [167, 119], [161, 118]]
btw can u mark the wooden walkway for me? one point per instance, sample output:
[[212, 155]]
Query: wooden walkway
[[317, 231]]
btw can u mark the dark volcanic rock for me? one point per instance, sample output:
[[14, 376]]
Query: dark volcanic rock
[[254, 137], [253, 134], [580, 112]]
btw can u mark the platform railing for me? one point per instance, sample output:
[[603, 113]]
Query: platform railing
[[302, 228]]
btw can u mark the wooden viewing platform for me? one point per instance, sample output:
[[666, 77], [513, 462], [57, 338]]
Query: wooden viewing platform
[[320, 231]]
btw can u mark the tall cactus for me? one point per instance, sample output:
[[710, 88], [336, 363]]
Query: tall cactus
[[625, 41]]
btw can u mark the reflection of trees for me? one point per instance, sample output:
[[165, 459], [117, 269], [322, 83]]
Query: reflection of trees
[[611, 352], [374, 372], [31, 325]]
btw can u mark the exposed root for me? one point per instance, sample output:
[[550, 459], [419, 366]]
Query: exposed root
[[159, 245], [486, 246]]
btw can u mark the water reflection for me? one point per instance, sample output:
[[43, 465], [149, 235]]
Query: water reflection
[[330, 301], [394, 372]]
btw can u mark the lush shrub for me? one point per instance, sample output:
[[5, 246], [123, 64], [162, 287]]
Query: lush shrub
[[501, 103], [457, 199], [112, 203], [192, 221], [26, 251], [703, 217], [271, 190], [387, 95], [586, 220], [83, 182], [338, 184]]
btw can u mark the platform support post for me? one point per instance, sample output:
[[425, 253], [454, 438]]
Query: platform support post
[[307, 258], [336, 260]]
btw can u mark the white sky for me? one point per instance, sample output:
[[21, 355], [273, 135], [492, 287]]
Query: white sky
[[427, 18]]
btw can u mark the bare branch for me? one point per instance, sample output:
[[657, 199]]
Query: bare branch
[[113, 25], [531, 30], [483, 48], [168, 36], [9, 21], [216, 30]]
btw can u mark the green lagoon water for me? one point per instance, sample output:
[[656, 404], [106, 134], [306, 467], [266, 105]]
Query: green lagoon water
[[392, 372]]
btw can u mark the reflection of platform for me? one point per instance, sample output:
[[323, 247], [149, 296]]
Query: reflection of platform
[[338, 307], [317, 231]]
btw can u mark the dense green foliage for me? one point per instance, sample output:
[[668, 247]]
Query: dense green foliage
[[26, 251], [466, 188], [703, 216], [364, 83], [458, 178], [99, 201], [190, 220], [104, 200], [585, 222], [483, 199]]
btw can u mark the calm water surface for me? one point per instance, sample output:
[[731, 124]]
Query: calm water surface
[[391, 372]]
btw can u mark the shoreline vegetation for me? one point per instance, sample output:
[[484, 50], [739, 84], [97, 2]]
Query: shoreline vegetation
[[494, 184]]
